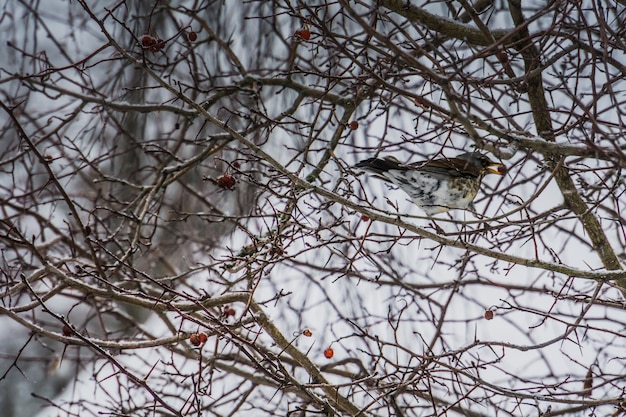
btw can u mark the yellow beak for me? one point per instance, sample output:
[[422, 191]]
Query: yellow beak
[[498, 169]]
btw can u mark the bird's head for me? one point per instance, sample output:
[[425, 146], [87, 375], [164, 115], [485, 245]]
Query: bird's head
[[483, 163]]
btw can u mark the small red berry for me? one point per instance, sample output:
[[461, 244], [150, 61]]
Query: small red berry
[[304, 34], [489, 314], [307, 333], [67, 330], [365, 218], [502, 169], [420, 102], [329, 353], [353, 125], [192, 36], [228, 311], [194, 339], [203, 338], [160, 44], [227, 182], [147, 41]]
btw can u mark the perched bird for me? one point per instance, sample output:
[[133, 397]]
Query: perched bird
[[438, 185]]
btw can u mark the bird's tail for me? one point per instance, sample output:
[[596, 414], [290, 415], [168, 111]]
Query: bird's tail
[[380, 166]]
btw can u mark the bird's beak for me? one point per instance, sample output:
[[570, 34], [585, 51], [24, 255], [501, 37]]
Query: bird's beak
[[498, 169]]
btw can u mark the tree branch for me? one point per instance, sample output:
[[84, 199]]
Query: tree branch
[[543, 123]]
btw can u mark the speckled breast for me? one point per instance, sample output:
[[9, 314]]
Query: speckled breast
[[433, 193]]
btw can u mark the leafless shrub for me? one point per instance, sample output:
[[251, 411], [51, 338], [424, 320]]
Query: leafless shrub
[[182, 231]]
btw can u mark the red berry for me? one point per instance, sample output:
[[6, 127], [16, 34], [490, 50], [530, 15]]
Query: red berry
[[192, 36], [147, 41], [227, 182], [365, 218], [502, 169], [203, 338], [194, 339], [354, 125], [420, 102], [329, 353], [159, 44], [307, 333], [67, 330], [304, 34], [228, 311], [489, 314]]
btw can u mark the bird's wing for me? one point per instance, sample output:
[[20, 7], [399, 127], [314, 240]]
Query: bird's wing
[[452, 167]]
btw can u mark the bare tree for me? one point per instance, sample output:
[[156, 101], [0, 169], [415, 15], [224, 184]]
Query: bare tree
[[183, 231]]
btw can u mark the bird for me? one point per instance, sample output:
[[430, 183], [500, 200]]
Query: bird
[[437, 185]]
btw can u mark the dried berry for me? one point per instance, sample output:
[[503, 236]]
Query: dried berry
[[304, 34], [67, 330], [192, 36], [502, 169], [227, 182], [147, 41], [420, 102], [489, 314], [307, 333], [160, 44], [353, 125], [329, 353], [503, 57], [248, 250], [588, 383], [276, 251], [365, 218], [194, 339], [228, 311]]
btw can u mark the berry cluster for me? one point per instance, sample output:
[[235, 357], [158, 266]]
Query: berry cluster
[[151, 43]]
